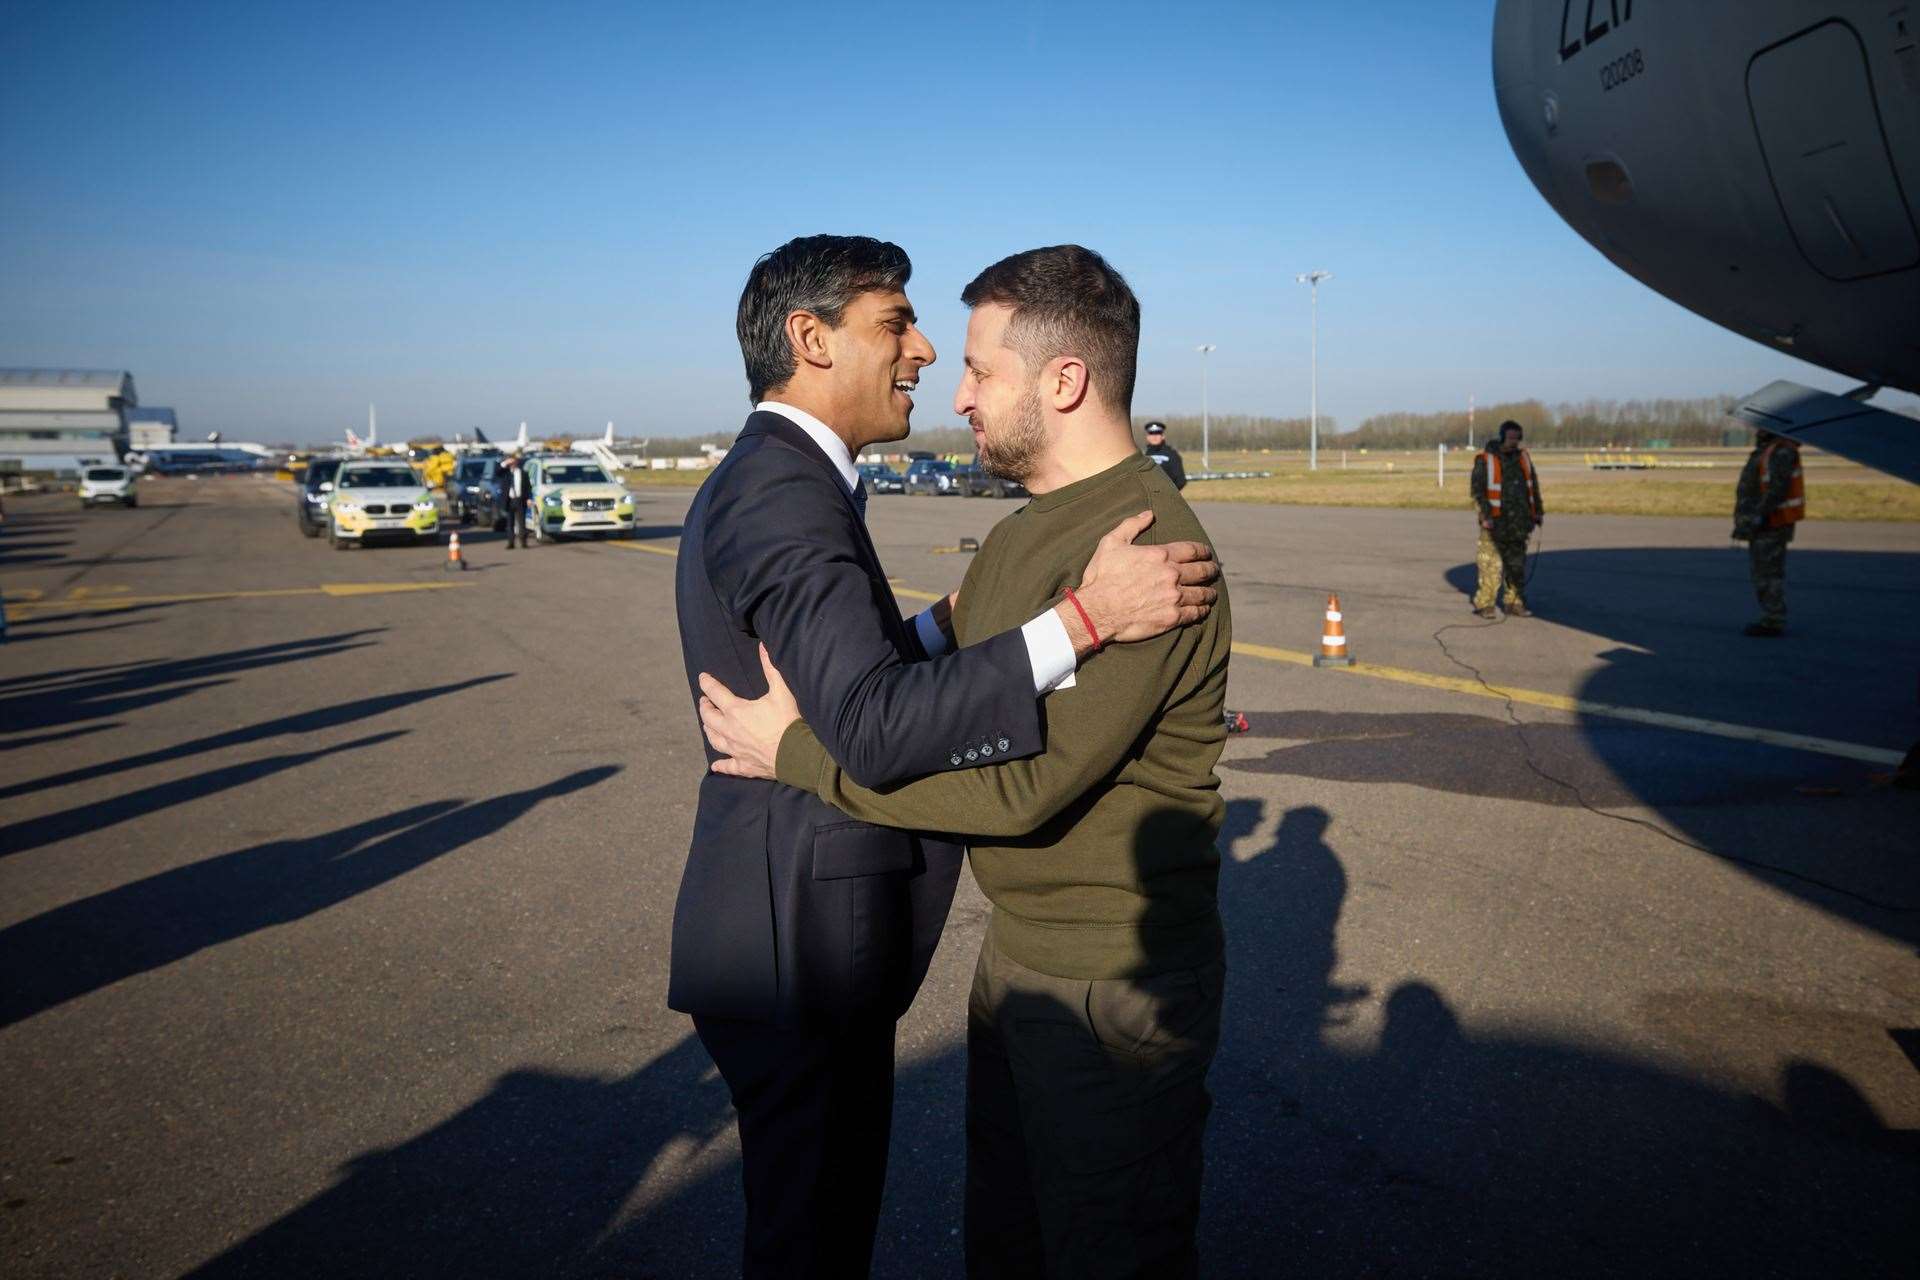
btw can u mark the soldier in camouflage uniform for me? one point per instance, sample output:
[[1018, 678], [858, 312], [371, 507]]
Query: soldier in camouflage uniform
[[1506, 488], [1770, 500]]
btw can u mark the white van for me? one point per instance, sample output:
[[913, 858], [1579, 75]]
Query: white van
[[100, 485]]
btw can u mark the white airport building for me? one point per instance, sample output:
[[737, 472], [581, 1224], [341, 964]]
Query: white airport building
[[55, 422]]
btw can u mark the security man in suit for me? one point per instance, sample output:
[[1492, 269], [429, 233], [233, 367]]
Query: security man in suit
[[799, 936], [515, 495], [1165, 454]]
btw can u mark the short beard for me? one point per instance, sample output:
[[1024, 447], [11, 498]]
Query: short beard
[[1014, 451]]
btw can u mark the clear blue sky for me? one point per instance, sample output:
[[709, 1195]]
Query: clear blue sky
[[472, 215]]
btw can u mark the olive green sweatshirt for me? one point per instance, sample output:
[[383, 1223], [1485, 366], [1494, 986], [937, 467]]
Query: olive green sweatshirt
[[1098, 854]]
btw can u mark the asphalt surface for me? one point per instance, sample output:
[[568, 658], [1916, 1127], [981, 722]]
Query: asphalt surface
[[334, 916]]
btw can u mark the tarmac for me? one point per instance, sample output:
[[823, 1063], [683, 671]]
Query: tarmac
[[335, 890]]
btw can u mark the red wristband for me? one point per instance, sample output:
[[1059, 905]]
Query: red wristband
[[1081, 609]]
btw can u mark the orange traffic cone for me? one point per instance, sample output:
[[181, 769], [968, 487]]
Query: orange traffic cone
[[454, 558], [1333, 638]]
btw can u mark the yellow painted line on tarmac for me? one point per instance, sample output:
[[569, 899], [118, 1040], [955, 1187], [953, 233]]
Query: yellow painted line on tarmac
[[1273, 655], [669, 552], [1525, 697], [1584, 706], [383, 588], [104, 604]]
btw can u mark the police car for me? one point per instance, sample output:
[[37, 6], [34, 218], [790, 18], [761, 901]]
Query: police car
[[573, 495], [380, 499]]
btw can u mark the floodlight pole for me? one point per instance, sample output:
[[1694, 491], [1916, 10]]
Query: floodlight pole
[[1206, 453], [1312, 280]]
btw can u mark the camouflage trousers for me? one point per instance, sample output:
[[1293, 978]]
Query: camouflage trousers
[[1500, 557], [1767, 557]]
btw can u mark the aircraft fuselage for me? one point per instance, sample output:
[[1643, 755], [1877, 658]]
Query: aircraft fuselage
[[1756, 161]]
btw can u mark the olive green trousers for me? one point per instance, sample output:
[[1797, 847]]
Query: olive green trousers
[[1087, 1104]]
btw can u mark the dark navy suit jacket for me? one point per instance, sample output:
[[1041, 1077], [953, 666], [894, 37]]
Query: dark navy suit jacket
[[790, 912]]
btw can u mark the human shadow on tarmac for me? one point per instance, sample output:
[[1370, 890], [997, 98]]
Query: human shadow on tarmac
[[38, 617], [115, 691], [1427, 1150], [70, 675], [523, 1182], [14, 637], [45, 738], [32, 833], [12, 549], [84, 946], [1444, 1151], [1844, 671], [300, 723]]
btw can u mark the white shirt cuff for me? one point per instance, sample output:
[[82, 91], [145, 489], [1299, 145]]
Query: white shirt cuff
[[932, 638], [1050, 653]]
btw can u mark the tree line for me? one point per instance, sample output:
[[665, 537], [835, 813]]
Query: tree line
[[1583, 424], [1586, 424]]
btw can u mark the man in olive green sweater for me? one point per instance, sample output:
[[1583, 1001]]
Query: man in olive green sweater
[[1096, 1003]]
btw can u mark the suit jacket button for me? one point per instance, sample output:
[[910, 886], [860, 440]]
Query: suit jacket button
[[972, 754], [954, 758], [1004, 744]]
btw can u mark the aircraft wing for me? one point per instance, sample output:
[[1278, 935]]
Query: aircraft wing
[[1858, 432]]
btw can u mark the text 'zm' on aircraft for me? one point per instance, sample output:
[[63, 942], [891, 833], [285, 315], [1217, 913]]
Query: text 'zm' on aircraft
[[1756, 161]]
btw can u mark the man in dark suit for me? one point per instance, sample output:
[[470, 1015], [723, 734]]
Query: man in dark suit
[[800, 937], [514, 496]]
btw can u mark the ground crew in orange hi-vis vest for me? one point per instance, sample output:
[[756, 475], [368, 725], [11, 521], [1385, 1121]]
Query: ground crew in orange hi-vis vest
[[1770, 500], [1506, 488]]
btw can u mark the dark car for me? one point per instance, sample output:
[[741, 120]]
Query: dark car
[[486, 505], [470, 479], [482, 504], [983, 484], [932, 476], [878, 477], [315, 488]]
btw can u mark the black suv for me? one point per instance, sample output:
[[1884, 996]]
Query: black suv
[[881, 478], [981, 483], [316, 489], [470, 484]]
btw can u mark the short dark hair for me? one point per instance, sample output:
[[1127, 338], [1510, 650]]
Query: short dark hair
[[1066, 300], [818, 274], [1510, 425]]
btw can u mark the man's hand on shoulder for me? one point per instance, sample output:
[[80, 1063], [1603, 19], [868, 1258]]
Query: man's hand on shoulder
[[1133, 593], [747, 731]]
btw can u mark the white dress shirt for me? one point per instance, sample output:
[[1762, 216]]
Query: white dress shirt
[[1049, 651]]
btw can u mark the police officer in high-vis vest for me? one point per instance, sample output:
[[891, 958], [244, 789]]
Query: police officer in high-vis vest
[[1506, 488], [1770, 500]]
